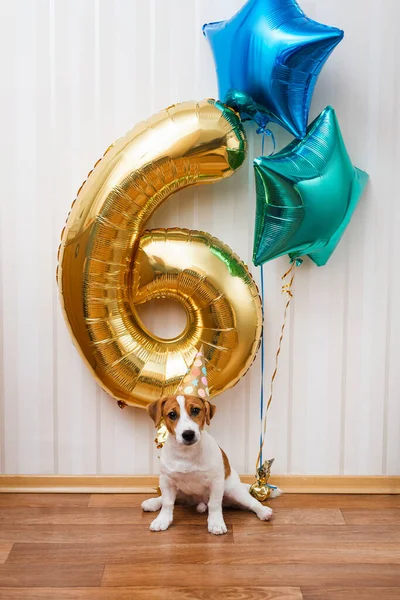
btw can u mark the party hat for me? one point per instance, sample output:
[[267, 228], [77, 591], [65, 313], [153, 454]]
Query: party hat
[[195, 382]]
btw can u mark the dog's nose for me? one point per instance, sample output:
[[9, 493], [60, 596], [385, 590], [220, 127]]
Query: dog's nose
[[188, 435]]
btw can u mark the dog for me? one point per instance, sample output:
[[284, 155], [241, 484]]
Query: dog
[[194, 469]]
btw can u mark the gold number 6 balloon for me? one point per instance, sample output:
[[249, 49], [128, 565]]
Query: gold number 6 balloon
[[108, 264]]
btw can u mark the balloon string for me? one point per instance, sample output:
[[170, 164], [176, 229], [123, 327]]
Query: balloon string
[[262, 129], [287, 290], [262, 366]]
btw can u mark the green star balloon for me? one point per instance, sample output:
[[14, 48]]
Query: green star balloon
[[306, 195]]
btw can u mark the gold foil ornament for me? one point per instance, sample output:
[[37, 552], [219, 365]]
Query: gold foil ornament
[[108, 264], [162, 434], [260, 489]]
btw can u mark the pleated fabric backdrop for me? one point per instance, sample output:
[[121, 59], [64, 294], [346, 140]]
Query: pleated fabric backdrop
[[75, 76]]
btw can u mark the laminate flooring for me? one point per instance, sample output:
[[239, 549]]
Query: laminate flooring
[[99, 547]]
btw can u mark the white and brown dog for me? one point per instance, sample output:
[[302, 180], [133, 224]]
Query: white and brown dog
[[194, 470]]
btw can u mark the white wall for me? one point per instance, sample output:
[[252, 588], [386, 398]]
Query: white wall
[[75, 75]]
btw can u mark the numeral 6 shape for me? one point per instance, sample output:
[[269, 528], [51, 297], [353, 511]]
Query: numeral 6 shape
[[109, 264]]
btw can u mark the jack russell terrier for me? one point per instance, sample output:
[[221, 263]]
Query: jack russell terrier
[[194, 469]]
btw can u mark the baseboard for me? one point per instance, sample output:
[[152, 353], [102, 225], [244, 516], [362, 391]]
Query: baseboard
[[136, 484]]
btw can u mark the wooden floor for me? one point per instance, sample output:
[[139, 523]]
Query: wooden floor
[[72, 546]]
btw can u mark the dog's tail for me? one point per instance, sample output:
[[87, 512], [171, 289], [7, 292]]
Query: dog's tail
[[275, 492]]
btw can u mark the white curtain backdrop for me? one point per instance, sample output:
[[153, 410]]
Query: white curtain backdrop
[[75, 75]]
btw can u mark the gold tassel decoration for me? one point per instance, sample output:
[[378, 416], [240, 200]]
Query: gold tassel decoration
[[162, 434]]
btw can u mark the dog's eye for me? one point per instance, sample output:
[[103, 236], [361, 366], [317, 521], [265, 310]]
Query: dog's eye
[[172, 415], [195, 411]]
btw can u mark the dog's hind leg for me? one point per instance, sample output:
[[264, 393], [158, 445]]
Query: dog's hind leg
[[152, 504], [239, 494]]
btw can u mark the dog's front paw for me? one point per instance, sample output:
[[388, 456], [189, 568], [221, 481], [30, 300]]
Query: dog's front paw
[[161, 523], [264, 513], [152, 504], [217, 526]]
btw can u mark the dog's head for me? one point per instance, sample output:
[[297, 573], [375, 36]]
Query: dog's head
[[184, 416]]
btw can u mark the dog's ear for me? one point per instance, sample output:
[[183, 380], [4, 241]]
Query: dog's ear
[[155, 410], [210, 411]]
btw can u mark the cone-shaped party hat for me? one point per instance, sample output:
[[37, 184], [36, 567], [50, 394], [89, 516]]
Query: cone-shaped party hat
[[195, 382]]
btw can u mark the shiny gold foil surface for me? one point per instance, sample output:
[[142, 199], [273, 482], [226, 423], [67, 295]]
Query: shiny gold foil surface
[[109, 264], [260, 489]]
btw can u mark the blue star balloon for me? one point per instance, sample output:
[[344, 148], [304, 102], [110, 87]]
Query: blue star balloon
[[306, 195], [268, 57]]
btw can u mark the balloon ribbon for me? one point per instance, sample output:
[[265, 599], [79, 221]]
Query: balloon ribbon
[[262, 129], [261, 489]]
